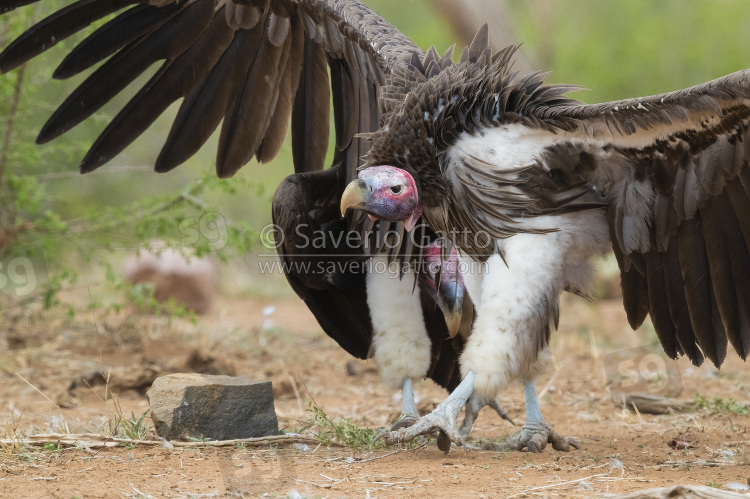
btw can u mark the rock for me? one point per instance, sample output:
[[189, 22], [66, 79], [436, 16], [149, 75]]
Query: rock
[[189, 282], [213, 407]]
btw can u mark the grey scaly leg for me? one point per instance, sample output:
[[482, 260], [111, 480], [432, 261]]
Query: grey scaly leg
[[536, 432], [409, 407], [409, 413]]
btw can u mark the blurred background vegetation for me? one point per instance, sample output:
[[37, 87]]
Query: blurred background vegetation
[[616, 49]]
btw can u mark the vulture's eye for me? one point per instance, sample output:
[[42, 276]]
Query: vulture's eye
[[396, 189]]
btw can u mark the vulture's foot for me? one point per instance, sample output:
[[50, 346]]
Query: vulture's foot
[[476, 404], [443, 418], [535, 437], [536, 433]]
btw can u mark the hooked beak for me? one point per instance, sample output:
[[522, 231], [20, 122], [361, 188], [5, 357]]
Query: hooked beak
[[451, 304], [356, 196]]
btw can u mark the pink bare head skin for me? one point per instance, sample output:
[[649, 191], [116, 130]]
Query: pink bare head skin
[[384, 192]]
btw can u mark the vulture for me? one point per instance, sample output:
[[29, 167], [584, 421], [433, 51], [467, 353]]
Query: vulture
[[262, 68], [530, 185], [412, 321], [527, 184]]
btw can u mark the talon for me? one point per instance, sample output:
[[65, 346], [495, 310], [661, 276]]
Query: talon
[[500, 410], [532, 448], [443, 442], [403, 423], [378, 437]]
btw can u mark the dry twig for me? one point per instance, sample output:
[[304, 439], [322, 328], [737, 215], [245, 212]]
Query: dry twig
[[92, 440]]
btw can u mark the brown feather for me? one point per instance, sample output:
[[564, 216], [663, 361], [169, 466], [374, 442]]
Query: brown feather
[[659, 306], [175, 79], [311, 110], [202, 110], [678, 307], [345, 87], [115, 74], [250, 112], [114, 35], [697, 288], [55, 28], [738, 256], [279, 124], [720, 265]]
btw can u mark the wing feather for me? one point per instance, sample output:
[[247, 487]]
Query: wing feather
[[55, 28], [202, 110], [268, 41], [311, 111], [114, 35], [248, 114], [677, 164], [166, 86], [275, 133], [115, 74]]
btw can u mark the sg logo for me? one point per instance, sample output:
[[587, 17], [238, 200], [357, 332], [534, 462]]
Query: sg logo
[[21, 275], [642, 370], [211, 227]]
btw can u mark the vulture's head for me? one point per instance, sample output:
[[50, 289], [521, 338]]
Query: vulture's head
[[384, 192]]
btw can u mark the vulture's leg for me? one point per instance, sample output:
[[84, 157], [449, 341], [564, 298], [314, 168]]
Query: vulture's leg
[[409, 413], [409, 407], [476, 404], [401, 346], [536, 432], [443, 418]]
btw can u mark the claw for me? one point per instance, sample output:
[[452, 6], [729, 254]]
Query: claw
[[378, 437], [500, 410], [443, 442], [536, 433], [403, 423], [442, 418]]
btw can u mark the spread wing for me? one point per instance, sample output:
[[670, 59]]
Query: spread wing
[[674, 170], [256, 66]]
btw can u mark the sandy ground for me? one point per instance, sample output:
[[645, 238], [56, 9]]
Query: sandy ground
[[594, 350]]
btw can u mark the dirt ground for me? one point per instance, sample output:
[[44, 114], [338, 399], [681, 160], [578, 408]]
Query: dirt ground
[[594, 350]]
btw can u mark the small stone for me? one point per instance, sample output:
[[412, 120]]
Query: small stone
[[212, 407]]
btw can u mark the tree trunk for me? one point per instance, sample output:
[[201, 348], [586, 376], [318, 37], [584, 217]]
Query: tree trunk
[[466, 17]]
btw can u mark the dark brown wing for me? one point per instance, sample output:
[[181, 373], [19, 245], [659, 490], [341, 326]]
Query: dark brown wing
[[674, 169], [305, 206], [255, 66]]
